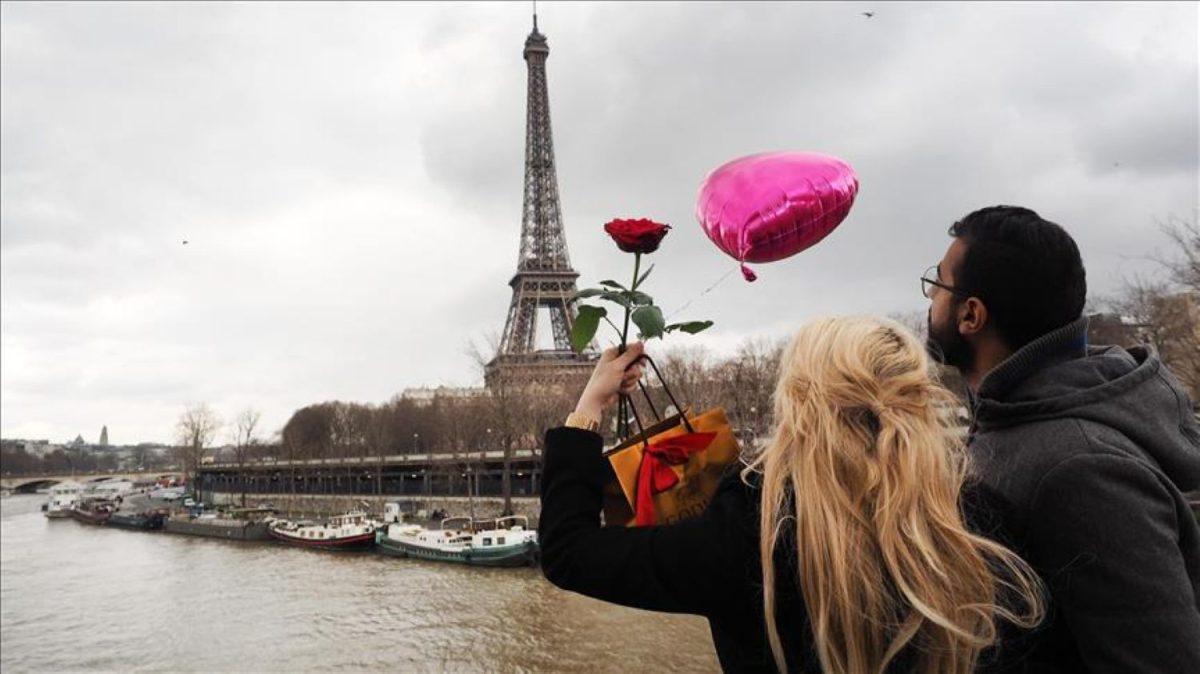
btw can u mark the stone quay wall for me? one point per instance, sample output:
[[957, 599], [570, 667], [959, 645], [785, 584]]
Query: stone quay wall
[[324, 505]]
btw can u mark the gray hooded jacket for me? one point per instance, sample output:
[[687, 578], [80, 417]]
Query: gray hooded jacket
[[1088, 451]]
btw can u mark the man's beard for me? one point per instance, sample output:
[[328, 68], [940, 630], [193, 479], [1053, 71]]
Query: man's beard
[[947, 346]]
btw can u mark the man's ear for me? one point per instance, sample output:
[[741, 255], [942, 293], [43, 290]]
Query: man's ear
[[972, 316]]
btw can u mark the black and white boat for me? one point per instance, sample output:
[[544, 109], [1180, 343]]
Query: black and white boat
[[506, 541]]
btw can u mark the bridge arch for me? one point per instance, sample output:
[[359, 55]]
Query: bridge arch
[[32, 486]]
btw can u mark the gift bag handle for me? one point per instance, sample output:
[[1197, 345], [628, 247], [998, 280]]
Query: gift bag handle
[[626, 400]]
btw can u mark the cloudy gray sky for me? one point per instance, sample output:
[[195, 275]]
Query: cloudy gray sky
[[349, 176]]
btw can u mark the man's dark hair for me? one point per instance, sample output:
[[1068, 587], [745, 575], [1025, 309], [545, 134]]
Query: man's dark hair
[[1027, 271]]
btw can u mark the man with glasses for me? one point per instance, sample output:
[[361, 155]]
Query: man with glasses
[[1085, 449]]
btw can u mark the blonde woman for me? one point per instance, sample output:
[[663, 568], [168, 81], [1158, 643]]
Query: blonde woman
[[841, 547]]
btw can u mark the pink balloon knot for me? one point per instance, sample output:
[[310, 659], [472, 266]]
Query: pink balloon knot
[[747, 274]]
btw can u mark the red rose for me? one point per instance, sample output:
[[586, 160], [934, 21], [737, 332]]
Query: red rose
[[637, 236]]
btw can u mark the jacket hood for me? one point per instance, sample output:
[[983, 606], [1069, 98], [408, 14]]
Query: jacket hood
[[1059, 376]]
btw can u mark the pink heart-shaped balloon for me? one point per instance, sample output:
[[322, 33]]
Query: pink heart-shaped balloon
[[769, 206]]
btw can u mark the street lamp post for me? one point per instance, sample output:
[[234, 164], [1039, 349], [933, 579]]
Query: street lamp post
[[470, 496], [424, 473], [483, 458]]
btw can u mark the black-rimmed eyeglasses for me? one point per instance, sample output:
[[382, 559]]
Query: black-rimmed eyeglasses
[[929, 280]]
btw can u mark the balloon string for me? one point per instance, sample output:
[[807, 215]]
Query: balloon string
[[703, 293]]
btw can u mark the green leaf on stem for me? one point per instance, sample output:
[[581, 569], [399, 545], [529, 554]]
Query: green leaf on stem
[[586, 323], [612, 284], [626, 298], [649, 320], [690, 327], [639, 298], [585, 293], [616, 297]]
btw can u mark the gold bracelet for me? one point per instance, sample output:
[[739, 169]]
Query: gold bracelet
[[580, 420]]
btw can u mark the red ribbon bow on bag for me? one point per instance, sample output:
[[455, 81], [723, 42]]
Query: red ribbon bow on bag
[[655, 474]]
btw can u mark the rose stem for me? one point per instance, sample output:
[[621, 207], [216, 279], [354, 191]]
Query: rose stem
[[621, 411], [637, 261]]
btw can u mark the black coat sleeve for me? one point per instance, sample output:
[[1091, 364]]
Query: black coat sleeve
[[1103, 534], [696, 566]]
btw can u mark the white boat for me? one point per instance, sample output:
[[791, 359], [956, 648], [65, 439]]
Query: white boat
[[168, 493], [63, 497], [506, 541], [351, 531], [393, 513], [110, 489]]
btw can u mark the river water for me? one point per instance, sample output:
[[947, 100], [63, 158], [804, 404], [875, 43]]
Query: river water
[[75, 597]]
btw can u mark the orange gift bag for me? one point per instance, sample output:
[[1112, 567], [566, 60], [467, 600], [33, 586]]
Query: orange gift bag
[[669, 471]]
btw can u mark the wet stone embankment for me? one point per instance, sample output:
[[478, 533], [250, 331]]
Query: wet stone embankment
[[317, 505]]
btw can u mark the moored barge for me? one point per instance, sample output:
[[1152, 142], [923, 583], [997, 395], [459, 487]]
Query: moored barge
[[93, 511], [144, 521], [238, 524], [351, 531], [505, 542]]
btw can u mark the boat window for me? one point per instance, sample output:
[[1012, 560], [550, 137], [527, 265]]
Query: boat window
[[487, 541], [500, 541]]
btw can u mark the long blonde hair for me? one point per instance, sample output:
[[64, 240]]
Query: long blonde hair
[[867, 468]]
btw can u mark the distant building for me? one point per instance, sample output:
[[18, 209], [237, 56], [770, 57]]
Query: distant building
[[104, 436], [424, 396], [38, 448], [41, 448], [1108, 328], [77, 442]]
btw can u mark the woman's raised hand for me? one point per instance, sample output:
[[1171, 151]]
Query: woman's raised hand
[[616, 373]]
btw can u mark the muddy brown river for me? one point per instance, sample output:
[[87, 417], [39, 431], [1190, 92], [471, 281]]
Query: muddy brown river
[[84, 598]]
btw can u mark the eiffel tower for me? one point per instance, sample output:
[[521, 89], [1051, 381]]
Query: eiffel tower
[[544, 275]]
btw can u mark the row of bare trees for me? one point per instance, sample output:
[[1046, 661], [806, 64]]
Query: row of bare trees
[[199, 426], [512, 414], [516, 414], [501, 418]]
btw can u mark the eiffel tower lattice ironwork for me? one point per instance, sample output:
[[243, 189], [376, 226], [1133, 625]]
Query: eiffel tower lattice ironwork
[[544, 275]]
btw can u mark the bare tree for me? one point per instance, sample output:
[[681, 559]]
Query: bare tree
[[379, 439], [1164, 310], [1183, 264], [917, 321], [244, 430], [503, 412], [1156, 314], [197, 426], [686, 371]]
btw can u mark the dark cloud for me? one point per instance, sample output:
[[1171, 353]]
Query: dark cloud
[[349, 177]]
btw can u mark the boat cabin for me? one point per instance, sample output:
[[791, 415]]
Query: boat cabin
[[353, 518]]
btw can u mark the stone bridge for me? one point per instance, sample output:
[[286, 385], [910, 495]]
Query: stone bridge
[[28, 484]]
